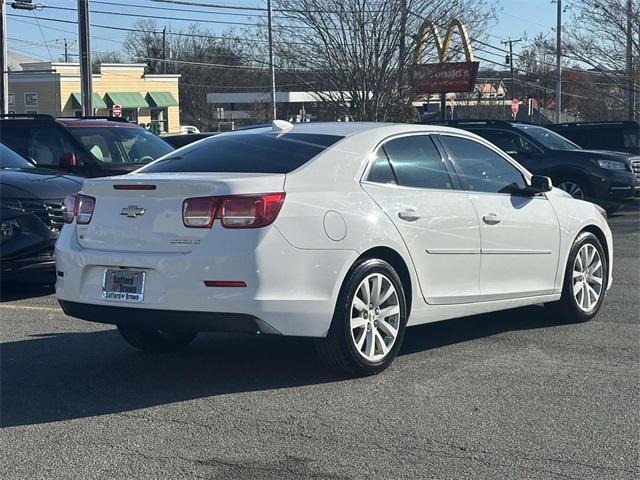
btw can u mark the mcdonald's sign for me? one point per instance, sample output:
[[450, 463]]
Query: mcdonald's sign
[[445, 76]]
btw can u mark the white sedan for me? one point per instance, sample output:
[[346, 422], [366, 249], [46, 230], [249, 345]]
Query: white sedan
[[347, 232]]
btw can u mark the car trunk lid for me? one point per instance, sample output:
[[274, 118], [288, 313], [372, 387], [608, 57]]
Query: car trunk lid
[[143, 212]]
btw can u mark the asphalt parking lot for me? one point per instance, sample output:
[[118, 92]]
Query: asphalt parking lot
[[512, 395]]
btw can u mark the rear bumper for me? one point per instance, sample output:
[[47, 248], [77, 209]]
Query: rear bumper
[[166, 319], [291, 291]]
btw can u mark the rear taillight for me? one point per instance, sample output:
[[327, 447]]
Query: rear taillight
[[84, 209], [199, 212], [233, 211], [79, 207], [69, 208]]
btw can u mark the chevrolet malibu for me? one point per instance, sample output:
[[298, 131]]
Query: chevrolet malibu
[[345, 232]]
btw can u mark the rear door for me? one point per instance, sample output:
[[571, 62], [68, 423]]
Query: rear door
[[412, 183], [520, 233]]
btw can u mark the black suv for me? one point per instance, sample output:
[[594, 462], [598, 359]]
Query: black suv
[[616, 136], [83, 146], [606, 178]]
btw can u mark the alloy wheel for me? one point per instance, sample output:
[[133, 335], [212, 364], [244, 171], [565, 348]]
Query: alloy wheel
[[375, 317], [588, 277], [572, 189]]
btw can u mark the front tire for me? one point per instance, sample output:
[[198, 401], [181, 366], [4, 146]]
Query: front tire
[[156, 340], [369, 321], [585, 280], [576, 187]]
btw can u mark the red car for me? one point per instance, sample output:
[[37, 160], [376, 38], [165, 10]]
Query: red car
[[83, 146]]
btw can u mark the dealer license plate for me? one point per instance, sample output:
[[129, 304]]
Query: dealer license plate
[[123, 285]]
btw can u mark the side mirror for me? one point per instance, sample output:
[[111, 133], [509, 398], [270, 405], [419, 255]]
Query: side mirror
[[540, 184], [68, 160]]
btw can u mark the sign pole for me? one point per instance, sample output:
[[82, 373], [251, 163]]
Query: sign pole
[[4, 69], [86, 87]]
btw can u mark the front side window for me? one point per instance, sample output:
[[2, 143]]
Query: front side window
[[509, 142], [480, 169], [417, 162], [114, 145]]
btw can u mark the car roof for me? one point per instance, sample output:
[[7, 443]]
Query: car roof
[[346, 129], [43, 119]]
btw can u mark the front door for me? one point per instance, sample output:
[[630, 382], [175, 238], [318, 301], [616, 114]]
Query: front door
[[520, 233], [412, 184]]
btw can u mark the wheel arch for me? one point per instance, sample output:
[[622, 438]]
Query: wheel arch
[[393, 258], [594, 229]]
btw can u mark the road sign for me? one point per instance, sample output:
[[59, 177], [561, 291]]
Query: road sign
[[515, 106], [117, 110]]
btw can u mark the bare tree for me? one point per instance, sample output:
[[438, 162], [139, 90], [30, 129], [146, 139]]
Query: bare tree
[[202, 59], [356, 53], [598, 36]]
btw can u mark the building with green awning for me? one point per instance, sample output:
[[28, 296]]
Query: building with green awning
[[126, 100], [161, 100], [76, 101], [54, 88]]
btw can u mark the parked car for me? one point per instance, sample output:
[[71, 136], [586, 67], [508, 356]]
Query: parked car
[[83, 146], [346, 232], [603, 177], [31, 214], [182, 139], [615, 136], [185, 129]]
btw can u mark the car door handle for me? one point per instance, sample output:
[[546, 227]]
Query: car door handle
[[408, 215], [491, 219]]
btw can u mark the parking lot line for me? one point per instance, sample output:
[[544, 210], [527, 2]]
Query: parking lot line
[[25, 307]]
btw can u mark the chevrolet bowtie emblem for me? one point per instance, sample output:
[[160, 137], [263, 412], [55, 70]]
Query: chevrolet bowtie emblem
[[132, 211]]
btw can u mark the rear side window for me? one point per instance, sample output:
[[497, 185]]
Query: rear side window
[[246, 153], [417, 162], [381, 171]]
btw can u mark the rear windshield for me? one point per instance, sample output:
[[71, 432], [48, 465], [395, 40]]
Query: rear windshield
[[246, 153]]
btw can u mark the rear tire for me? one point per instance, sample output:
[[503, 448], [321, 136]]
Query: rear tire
[[369, 321], [585, 281], [156, 340]]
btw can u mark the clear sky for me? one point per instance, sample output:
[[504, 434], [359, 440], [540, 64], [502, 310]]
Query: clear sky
[[41, 39]]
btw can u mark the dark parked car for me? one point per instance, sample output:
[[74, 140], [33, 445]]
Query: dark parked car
[[31, 214], [83, 146], [180, 140], [615, 136], [603, 177]]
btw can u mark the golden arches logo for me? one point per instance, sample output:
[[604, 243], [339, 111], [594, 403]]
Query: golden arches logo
[[428, 27]]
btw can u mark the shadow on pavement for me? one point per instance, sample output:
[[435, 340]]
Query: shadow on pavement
[[12, 291], [62, 376]]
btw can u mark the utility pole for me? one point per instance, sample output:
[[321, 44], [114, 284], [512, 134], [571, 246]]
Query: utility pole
[[403, 45], [510, 62], [629, 67], [164, 50], [86, 88], [4, 68], [559, 62], [66, 51], [271, 65]]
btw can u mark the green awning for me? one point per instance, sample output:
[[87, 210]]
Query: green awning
[[76, 101], [126, 99], [161, 99]]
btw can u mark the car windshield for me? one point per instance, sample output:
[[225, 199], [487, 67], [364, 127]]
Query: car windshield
[[549, 139], [118, 145], [246, 153], [10, 159]]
